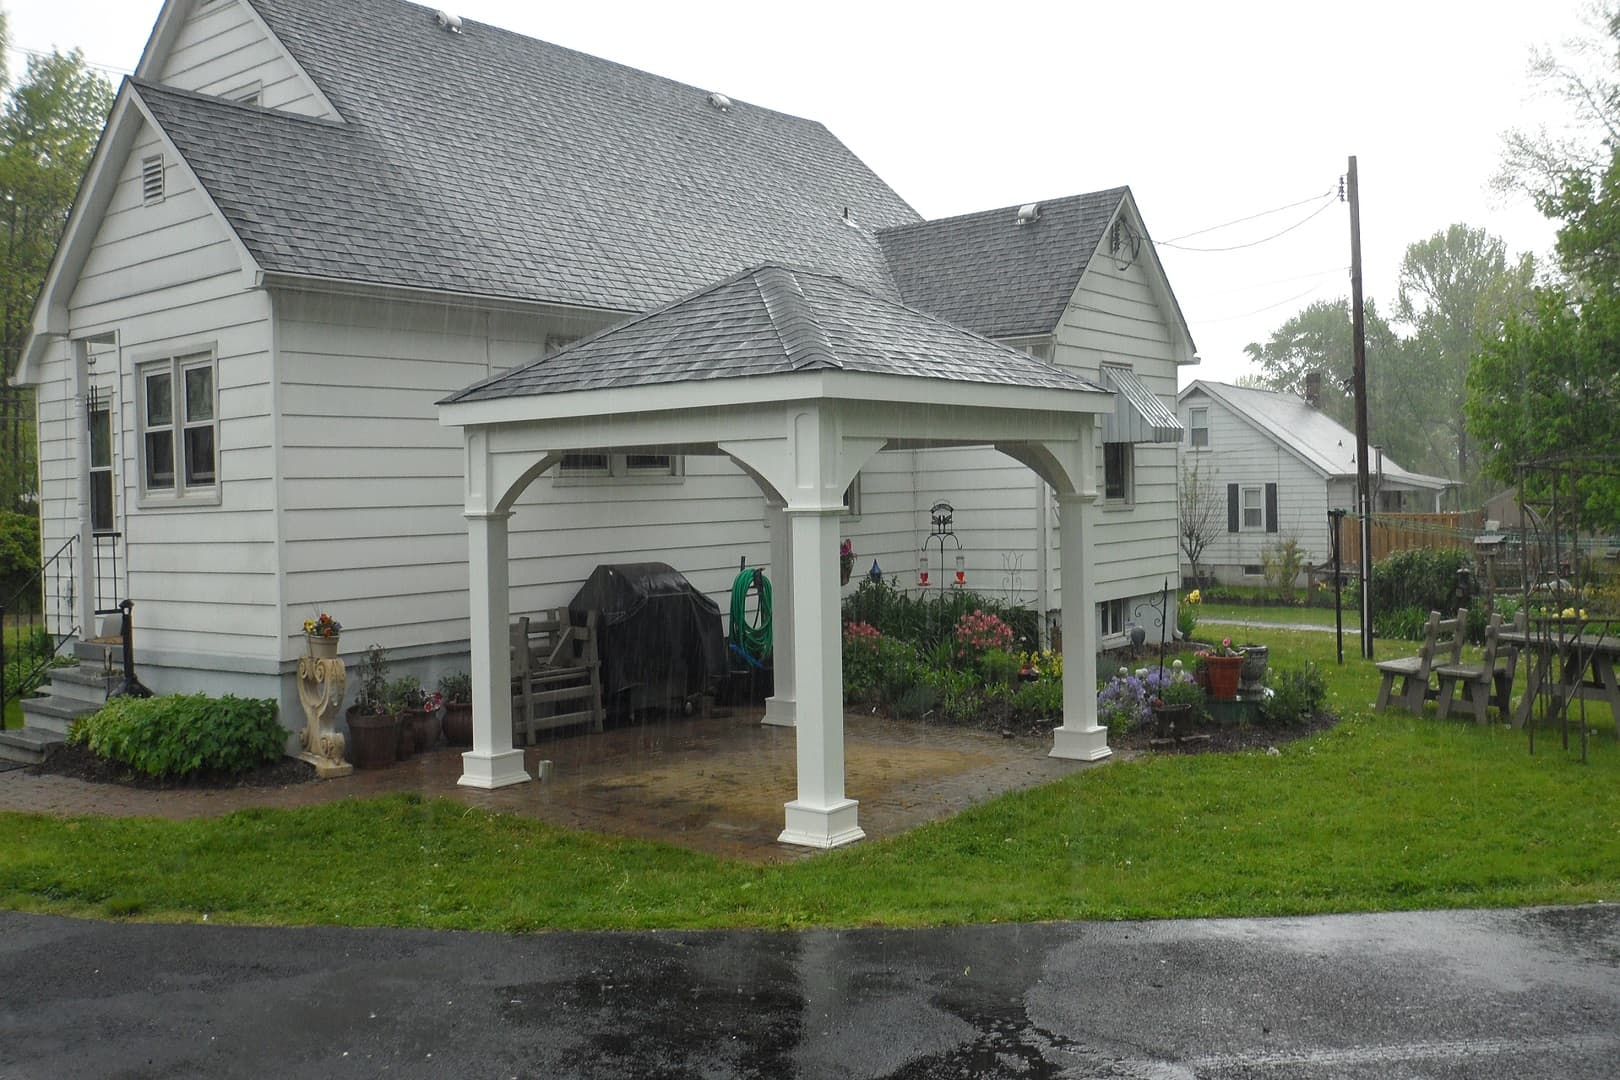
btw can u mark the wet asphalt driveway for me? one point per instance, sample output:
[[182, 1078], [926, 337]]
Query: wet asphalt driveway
[[1452, 994]]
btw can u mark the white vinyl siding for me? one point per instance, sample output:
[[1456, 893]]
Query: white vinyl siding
[[223, 50], [164, 280]]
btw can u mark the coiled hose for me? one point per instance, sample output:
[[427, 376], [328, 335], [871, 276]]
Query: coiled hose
[[753, 640]]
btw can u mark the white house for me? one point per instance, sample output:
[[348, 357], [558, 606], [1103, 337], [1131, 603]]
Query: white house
[[1274, 466], [308, 221]]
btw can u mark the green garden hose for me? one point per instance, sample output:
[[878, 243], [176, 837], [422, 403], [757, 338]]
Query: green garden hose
[[754, 641]]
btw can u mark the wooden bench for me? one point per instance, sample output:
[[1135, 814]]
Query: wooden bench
[[1489, 682], [556, 674], [1441, 638]]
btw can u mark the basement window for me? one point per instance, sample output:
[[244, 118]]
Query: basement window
[[152, 179]]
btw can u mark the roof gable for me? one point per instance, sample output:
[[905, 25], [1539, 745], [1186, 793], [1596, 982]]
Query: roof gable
[[772, 320], [1310, 435], [995, 274], [489, 163]]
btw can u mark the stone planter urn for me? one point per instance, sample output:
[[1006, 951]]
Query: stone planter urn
[[1254, 664]]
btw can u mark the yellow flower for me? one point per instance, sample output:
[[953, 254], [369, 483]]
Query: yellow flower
[[309, 626], [1568, 613], [1195, 597]]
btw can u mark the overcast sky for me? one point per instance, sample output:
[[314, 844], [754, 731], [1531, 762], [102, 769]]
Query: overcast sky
[[1210, 112]]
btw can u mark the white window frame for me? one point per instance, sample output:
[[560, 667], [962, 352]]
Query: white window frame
[[622, 469], [1127, 481], [1259, 508], [1111, 617], [1198, 423], [103, 410], [175, 365], [852, 499]]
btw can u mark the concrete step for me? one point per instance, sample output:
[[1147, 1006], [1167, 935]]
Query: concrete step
[[28, 745], [54, 713], [97, 652], [82, 683]]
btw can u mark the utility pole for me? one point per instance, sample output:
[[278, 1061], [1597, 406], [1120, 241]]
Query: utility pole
[[1358, 337]]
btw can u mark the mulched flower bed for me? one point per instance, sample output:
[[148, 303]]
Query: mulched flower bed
[[1222, 740], [81, 764]]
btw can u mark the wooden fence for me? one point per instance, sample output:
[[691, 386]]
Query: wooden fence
[[1401, 532]]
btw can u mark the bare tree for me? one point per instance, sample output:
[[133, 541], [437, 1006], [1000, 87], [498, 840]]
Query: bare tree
[[1199, 512]]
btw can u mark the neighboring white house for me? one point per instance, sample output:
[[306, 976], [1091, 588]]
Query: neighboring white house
[[310, 220], [1275, 466]]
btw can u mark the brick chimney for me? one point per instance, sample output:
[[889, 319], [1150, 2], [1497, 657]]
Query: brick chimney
[[1313, 389]]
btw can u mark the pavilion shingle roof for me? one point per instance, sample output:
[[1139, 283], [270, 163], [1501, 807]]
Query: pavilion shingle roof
[[994, 276], [772, 320], [492, 163]]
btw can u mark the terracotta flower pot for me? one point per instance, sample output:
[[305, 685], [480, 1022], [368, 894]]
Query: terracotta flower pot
[[373, 740], [1223, 675], [458, 723]]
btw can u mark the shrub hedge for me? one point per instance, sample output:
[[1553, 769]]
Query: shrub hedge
[[181, 734]]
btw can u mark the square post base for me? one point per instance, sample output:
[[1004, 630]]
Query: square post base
[[780, 712], [821, 827], [490, 771], [1080, 744]]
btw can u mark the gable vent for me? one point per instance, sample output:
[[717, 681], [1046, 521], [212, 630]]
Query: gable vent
[[720, 101], [1029, 213], [152, 179]]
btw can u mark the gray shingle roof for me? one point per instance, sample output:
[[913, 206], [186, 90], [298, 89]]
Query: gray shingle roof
[[492, 163], [773, 321], [994, 276], [1316, 437]]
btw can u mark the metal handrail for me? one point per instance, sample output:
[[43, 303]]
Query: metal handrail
[[53, 566]]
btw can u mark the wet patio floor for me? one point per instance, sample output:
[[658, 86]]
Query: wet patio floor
[[715, 784]]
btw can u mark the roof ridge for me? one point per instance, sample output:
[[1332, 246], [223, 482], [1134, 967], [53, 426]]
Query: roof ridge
[[1122, 190], [804, 340]]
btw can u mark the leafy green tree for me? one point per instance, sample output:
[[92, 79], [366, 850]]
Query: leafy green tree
[[1457, 290], [1318, 338], [48, 131]]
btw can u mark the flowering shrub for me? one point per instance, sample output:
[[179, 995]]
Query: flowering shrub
[[323, 627], [977, 632], [1127, 699], [1043, 665], [863, 635]]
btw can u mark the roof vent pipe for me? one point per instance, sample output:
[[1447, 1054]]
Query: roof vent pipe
[[1029, 213], [448, 21], [720, 101]]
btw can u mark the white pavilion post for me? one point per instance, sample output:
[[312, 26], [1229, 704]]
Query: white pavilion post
[[492, 762], [1080, 737], [821, 816], [780, 706]]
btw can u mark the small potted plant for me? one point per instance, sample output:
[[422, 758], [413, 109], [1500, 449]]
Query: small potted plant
[[1177, 704], [1225, 664], [373, 730], [321, 636], [457, 690], [846, 561]]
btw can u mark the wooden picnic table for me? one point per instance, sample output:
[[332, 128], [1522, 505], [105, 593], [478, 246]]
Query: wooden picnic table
[[1567, 650]]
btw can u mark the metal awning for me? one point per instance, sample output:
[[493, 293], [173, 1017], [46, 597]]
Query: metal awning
[[1139, 416]]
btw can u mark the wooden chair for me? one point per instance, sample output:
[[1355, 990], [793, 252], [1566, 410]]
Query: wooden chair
[[1442, 639], [556, 674], [1489, 682]]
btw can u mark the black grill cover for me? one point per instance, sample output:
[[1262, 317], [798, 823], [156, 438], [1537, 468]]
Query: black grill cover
[[660, 638]]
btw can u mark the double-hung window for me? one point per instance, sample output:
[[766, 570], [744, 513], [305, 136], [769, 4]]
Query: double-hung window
[[1198, 426], [1254, 508], [179, 417]]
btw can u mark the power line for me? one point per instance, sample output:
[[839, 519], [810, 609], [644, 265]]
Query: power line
[[42, 54], [1251, 217], [1328, 200], [1260, 311]]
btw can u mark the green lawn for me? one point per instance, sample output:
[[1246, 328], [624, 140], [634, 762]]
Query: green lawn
[[1294, 616], [1384, 812]]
